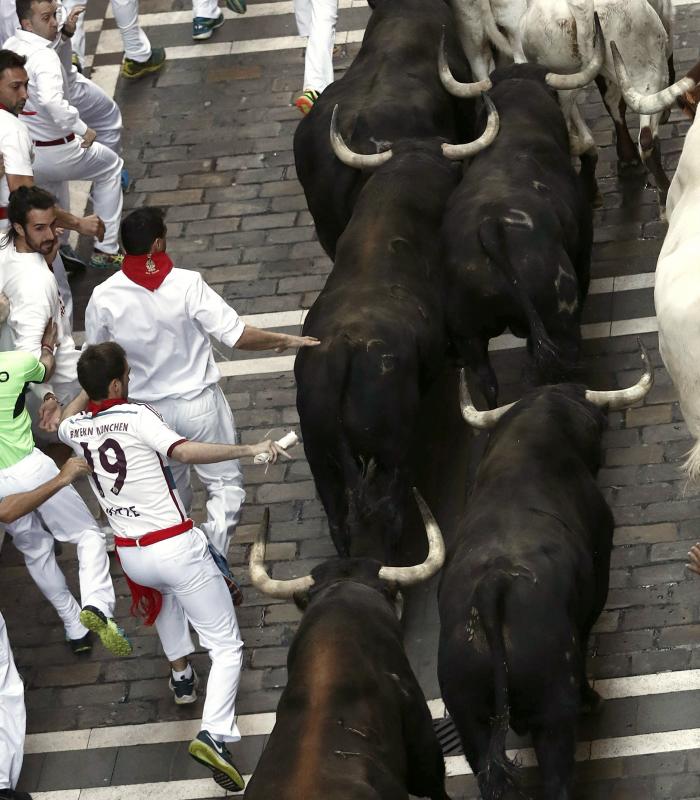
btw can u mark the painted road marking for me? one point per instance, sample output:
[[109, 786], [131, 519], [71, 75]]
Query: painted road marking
[[262, 724]]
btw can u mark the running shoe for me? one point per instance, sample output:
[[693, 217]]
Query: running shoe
[[185, 689], [203, 27], [233, 587], [216, 757], [237, 6], [82, 645], [75, 61], [305, 101], [102, 260], [13, 794], [137, 69], [111, 635], [125, 179], [72, 262]]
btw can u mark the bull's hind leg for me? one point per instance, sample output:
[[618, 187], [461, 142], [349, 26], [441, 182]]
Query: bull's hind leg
[[627, 153], [475, 356], [555, 744]]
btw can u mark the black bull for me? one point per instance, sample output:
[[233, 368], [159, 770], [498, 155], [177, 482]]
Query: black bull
[[524, 581], [391, 91], [380, 322], [517, 236], [352, 721]]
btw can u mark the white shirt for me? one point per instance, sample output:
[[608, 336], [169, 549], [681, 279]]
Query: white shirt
[[48, 90], [127, 446], [17, 150], [8, 20], [34, 299], [165, 333]]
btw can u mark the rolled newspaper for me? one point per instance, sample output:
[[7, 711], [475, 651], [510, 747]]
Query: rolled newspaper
[[288, 440]]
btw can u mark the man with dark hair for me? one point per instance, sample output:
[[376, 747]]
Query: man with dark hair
[[54, 123], [163, 317], [170, 571], [32, 289]]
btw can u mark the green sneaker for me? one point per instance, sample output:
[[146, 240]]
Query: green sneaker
[[137, 69], [216, 757], [203, 27], [111, 635], [102, 260], [237, 6]]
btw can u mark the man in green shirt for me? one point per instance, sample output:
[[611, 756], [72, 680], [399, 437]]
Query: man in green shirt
[[22, 468]]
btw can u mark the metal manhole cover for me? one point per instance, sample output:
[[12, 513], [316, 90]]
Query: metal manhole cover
[[447, 736]]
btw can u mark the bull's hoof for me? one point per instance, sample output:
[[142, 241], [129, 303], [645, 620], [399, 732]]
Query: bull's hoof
[[597, 199], [665, 116], [591, 701]]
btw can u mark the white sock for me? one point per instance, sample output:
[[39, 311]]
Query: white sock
[[186, 673]]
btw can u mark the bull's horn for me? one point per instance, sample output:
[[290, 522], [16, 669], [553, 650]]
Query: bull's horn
[[407, 576], [622, 398], [578, 80], [647, 103], [346, 155], [456, 152], [451, 84], [282, 590], [482, 420]]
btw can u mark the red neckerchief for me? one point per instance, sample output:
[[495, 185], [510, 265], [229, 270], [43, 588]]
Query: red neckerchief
[[23, 113], [95, 406], [148, 270]]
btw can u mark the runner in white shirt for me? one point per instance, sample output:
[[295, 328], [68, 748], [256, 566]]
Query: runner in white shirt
[[163, 318], [17, 152], [170, 571], [53, 124], [31, 288]]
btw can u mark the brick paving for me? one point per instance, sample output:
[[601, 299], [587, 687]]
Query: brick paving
[[210, 139]]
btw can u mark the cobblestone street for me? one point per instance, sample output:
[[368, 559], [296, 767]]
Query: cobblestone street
[[210, 139]]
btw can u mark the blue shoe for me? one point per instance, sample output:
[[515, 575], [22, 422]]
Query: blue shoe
[[184, 690], [216, 757], [237, 6], [203, 27], [125, 179]]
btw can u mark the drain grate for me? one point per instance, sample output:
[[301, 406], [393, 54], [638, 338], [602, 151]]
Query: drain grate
[[447, 736]]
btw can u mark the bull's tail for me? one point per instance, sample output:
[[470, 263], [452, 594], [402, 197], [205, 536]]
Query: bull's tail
[[493, 31], [692, 464], [500, 778], [549, 360]]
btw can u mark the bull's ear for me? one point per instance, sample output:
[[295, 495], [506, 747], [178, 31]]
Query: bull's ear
[[301, 600], [688, 102]]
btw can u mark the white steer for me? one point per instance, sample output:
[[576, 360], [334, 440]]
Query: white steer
[[677, 290], [557, 34]]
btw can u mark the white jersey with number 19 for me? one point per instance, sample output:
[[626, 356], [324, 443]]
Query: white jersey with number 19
[[127, 446]]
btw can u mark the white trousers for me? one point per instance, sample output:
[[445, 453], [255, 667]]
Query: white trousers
[[126, 15], [70, 162], [194, 590], [316, 19], [98, 111], [69, 520], [205, 8], [13, 716], [208, 418]]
